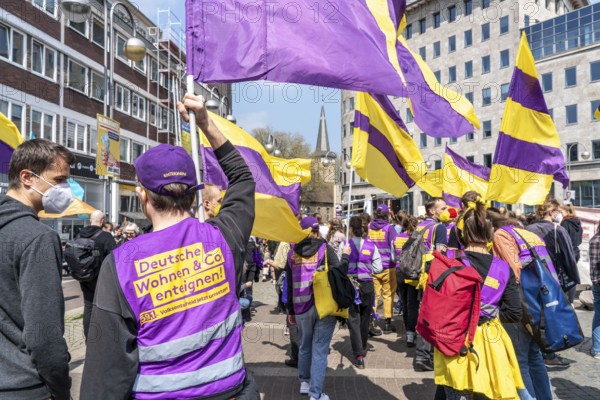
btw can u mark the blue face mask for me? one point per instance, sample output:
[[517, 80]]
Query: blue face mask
[[56, 199]]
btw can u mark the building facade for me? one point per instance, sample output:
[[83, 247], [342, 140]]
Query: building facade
[[471, 47], [52, 86]]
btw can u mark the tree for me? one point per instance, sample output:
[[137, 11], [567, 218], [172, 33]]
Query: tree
[[291, 145]]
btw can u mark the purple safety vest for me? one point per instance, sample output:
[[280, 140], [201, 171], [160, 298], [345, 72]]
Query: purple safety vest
[[535, 242], [381, 239], [493, 286], [303, 270], [430, 225], [400, 240], [180, 283], [360, 261]]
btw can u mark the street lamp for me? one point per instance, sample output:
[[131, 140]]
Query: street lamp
[[212, 105], [585, 155], [428, 163]]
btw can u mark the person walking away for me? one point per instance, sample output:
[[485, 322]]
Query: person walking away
[[33, 353], [335, 235], [595, 276], [408, 294], [572, 225], [382, 234], [363, 262], [305, 258], [491, 368], [105, 243], [170, 297]]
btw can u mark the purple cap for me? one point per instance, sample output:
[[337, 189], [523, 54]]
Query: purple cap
[[310, 222], [163, 165], [383, 208]]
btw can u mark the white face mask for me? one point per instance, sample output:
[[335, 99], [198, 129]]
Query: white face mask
[[56, 199], [558, 219]]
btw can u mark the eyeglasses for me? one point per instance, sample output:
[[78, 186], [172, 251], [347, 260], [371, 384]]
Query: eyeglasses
[[130, 233]]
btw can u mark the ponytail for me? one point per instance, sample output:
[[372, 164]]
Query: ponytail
[[474, 227]]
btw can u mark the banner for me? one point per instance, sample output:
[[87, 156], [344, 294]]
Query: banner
[[186, 138], [109, 147]]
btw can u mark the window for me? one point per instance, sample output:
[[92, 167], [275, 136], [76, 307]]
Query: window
[[547, 82], [486, 95], [43, 60], [469, 96], [120, 50], [436, 20], [470, 136], [485, 3], [596, 149], [78, 75], [97, 89], [573, 149], [504, 25], [154, 71], [14, 112], [468, 38], [527, 21], [4, 42], [48, 6], [504, 59], [122, 99], [163, 121], [485, 32], [138, 107], [98, 33], [436, 49], [152, 112], [437, 141], [422, 25], [571, 77], [504, 92], [140, 65], [471, 158], [595, 104], [551, 113], [587, 193], [351, 103], [438, 75], [469, 70], [409, 116], [468, 7], [80, 27], [487, 160], [487, 129], [423, 53], [423, 140], [451, 44], [137, 149], [452, 74], [76, 136], [41, 125], [453, 140], [408, 32], [12, 45], [485, 64], [451, 13], [595, 71], [571, 112], [124, 150]]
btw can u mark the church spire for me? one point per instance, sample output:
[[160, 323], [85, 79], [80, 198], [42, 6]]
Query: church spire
[[322, 138]]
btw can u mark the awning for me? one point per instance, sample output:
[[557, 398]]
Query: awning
[[136, 216], [124, 186]]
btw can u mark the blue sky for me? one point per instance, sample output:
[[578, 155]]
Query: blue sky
[[283, 106]]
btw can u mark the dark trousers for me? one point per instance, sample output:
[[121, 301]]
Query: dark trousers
[[410, 305], [359, 319], [423, 349], [294, 340], [88, 289]]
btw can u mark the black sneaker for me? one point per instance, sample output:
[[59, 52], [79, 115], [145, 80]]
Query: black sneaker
[[556, 361], [410, 343], [359, 363], [388, 327], [423, 365], [291, 363], [375, 331]]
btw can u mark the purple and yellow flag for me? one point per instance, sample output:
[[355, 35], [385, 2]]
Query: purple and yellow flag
[[462, 175], [10, 139], [345, 44], [383, 153], [597, 113], [278, 183], [528, 155]]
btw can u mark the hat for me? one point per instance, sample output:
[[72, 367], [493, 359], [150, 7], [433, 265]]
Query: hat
[[453, 212], [383, 208], [310, 222], [163, 165]]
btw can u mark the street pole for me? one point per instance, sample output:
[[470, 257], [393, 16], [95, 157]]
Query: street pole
[[195, 152], [349, 204]]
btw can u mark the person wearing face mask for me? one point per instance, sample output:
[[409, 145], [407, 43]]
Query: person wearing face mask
[[169, 299], [211, 199], [33, 353]]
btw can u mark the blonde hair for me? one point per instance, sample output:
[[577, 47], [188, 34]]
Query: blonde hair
[[569, 209], [546, 209]]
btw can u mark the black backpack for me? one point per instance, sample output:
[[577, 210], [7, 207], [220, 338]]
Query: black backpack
[[83, 257], [341, 288], [413, 252]]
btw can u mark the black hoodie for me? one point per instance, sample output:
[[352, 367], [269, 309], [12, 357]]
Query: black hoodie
[[34, 361], [575, 231]]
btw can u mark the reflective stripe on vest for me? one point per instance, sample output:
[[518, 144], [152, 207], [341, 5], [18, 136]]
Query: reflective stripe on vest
[[399, 242], [536, 243], [381, 239], [360, 262], [180, 283], [303, 270]]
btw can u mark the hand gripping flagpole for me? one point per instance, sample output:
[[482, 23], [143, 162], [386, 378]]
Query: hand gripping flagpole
[[195, 149]]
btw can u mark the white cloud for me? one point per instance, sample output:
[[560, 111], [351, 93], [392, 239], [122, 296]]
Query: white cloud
[[249, 121]]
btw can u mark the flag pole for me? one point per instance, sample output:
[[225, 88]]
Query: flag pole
[[195, 147], [349, 205]]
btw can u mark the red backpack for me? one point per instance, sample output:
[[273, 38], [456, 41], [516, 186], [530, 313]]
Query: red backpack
[[450, 306]]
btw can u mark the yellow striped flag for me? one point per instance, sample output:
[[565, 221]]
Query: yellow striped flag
[[278, 183], [432, 183], [528, 155], [10, 139], [383, 153], [597, 112], [461, 176]]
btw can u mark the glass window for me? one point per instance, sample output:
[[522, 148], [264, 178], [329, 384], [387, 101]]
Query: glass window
[[452, 74], [451, 13], [437, 164], [80, 27], [573, 149], [453, 140], [595, 71], [351, 102], [153, 116], [468, 7], [436, 20], [422, 25], [136, 150], [4, 106], [120, 50], [93, 140], [451, 44], [18, 48], [48, 126], [486, 96], [423, 53], [408, 31], [469, 70], [504, 59], [487, 160], [154, 71], [124, 144], [595, 104], [423, 140], [547, 82], [471, 158], [16, 116], [35, 130], [504, 92], [571, 77], [470, 136], [485, 64], [37, 55], [50, 63], [504, 25], [469, 96], [164, 121], [98, 32], [468, 38], [75, 136], [41, 125], [140, 65], [485, 3], [409, 116], [4, 41], [122, 99], [97, 89], [487, 129], [436, 49], [438, 75], [77, 77], [485, 32], [48, 6], [437, 141], [571, 112], [138, 107], [551, 113], [596, 149]]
